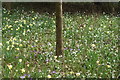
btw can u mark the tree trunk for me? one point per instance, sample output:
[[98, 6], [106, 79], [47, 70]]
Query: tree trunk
[[59, 26]]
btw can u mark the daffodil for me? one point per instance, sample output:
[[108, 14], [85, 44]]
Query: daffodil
[[9, 66], [97, 62], [28, 30], [77, 74], [55, 57], [13, 42], [36, 40], [17, 49], [93, 45], [12, 46], [16, 21], [49, 76], [24, 21], [54, 30], [71, 72], [20, 45], [20, 60], [31, 24], [21, 25], [23, 70], [108, 66], [90, 28], [14, 39], [8, 48], [33, 19], [28, 65], [9, 26]]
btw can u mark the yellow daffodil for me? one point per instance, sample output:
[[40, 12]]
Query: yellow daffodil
[[77, 74], [9, 26], [20, 45], [21, 25], [28, 65], [17, 49], [33, 19], [24, 21], [108, 32], [97, 62], [20, 60], [93, 45], [9, 66], [28, 30], [23, 70], [36, 40], [13, 42], [12, 46], [54, 30], [90, 28], [16, 21], [31, 24], [55, 57], [71, 72], [49, 76], [8, 48], [14, 39], [108, 66], [18, 28]]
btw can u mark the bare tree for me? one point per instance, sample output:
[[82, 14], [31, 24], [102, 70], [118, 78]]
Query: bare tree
[[59, 26]]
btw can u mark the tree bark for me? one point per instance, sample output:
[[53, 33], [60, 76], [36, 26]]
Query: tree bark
[[59, 26]]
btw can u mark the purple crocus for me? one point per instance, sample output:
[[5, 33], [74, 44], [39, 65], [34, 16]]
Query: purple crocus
[[28, 75], [47, 60], [22, 77], [53, 71], [16, 57], [71, 49]]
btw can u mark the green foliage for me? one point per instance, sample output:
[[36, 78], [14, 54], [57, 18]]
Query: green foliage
[[90, 46]]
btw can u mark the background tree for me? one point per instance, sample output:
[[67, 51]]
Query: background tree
[[59, 26]]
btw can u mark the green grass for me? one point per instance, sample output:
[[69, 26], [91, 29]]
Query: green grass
[[90, 46]]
